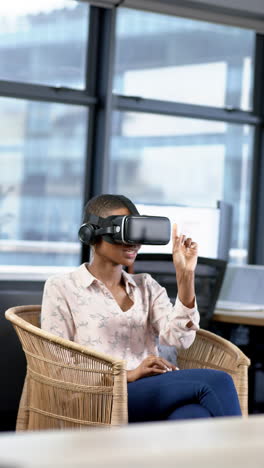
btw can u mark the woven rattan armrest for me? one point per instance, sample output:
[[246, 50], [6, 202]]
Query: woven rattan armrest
[[214, 352]]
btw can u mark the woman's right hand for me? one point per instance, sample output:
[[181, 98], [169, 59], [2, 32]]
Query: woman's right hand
[[151, 365]]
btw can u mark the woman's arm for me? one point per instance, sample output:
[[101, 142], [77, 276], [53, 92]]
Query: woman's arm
[[184, 254], [176, 325]]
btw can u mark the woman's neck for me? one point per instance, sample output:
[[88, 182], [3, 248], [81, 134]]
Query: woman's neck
[[105, 271]]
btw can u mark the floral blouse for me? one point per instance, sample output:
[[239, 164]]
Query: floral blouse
[[79, 307]]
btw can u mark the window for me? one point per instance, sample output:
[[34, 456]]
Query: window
[[42, 144], [161, 159], [42, 151], [180, 161], [44, 45], [187, 125], [177, 59]]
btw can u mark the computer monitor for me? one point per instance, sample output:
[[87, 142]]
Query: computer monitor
[[209, 227]]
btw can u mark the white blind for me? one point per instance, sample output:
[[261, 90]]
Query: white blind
[[242, 13]]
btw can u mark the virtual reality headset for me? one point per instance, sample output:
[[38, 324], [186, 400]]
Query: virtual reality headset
[[132, 229]]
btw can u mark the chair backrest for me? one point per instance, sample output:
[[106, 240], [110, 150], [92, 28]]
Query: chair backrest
[[68, 385], [208, 279], [30, 314]]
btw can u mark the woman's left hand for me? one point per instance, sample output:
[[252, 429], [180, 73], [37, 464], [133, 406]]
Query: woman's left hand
[[184, 252]]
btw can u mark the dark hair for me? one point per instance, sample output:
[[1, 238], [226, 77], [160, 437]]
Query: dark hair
[[101, 205]]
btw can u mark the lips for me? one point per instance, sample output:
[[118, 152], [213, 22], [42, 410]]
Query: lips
[[130, 249], [130, 252]]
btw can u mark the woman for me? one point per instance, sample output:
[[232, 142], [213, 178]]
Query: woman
[[101, 306]]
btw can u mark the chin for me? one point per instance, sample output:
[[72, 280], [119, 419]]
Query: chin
[[124, 261]]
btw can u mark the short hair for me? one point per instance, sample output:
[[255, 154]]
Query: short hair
[[101, 205]]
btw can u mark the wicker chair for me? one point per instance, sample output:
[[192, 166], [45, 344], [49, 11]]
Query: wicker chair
[[68, 385]]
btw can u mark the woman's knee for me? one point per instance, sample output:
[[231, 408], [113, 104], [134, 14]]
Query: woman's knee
[[218, 394], [223, 380], [212, 376], [189, 411]]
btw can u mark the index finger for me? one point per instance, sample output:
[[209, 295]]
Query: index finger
[[175, 231]]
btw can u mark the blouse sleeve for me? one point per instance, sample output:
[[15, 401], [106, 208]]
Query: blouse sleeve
[[56, 317], [170, 321]]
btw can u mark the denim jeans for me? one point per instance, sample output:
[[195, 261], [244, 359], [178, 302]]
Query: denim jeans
[[183, 394]]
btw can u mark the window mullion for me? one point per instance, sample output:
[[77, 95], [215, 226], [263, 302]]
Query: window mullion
[[45, 93], [153, 106], [103, 91], [99, 76], [256, 251]]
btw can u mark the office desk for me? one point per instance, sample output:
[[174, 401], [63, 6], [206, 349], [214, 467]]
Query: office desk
[[217, 442], [241, 318], [253, 347]]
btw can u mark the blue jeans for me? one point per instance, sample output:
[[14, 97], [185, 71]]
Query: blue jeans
[[184, 394]]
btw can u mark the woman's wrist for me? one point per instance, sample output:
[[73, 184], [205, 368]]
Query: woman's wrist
[[186, 290], [131, 375], [185, 277]]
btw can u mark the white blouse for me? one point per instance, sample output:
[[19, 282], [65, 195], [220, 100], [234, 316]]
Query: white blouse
[[79, 307]]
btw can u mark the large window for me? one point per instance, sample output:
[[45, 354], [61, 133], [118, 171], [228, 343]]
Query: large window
[[156, 158], [164, 109], [42, 144], [44, 45], [177, 59], [180, 161], [42, 150]]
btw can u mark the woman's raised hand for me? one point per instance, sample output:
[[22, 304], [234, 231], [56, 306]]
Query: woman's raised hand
[[151, 365], [184, 252]]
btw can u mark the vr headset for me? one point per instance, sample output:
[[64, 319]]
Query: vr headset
[[131, 229], [150, 230]]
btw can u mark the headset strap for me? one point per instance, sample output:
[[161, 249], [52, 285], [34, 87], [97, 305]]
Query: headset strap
[[105, 231], [99, 222], [95, 220]]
